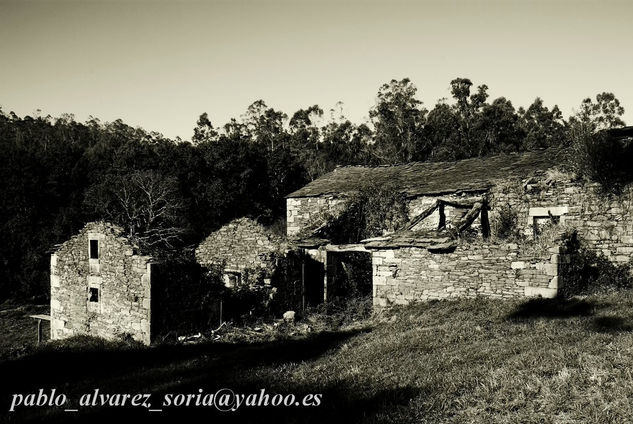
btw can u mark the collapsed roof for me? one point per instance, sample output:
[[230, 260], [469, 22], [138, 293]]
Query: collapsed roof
[[435, 240]]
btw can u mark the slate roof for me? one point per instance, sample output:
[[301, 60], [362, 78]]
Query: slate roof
[[428, 239], [426, 178]]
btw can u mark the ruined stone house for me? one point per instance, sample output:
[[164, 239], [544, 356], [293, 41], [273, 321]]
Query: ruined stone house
[[432, 258], [102, 285], [244, 251]]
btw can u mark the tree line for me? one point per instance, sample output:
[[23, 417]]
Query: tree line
[[58, 173]]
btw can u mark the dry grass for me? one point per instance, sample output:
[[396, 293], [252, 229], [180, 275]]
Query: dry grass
[[540, 361], [483, 361]]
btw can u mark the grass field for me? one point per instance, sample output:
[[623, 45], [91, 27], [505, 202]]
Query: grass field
[[481, 361], [19, 331]]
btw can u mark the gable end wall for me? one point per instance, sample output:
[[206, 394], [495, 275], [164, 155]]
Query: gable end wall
[[122, 278]]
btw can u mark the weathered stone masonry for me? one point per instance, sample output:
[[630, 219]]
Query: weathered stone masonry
[[499, 270], [108, 295], [305, 212], [531, 184], [243, 249], [604, 222]]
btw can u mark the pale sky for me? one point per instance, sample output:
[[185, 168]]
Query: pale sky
[[160, 64]]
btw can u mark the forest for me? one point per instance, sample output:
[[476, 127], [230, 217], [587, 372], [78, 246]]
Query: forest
[[58, 173]]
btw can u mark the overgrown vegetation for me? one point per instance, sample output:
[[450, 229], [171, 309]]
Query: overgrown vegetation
[[370, 212], [602, 157], [552, 233], [591, 272], [505, 226], [599, 151]]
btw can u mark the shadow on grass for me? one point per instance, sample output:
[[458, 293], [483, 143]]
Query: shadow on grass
[[554, 309], [94, 358], [561, 308], [77, 370], [611, 325], [244, 368]]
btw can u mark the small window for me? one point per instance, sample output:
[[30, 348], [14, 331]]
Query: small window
[[541, 218], [541, 223], [232, 279], [93, 294], [94, 249]]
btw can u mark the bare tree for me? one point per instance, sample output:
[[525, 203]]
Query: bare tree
[[145, 203]]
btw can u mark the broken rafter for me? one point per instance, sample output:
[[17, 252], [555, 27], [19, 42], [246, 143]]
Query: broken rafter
[[426, 212], [456, 203], [468, 219]]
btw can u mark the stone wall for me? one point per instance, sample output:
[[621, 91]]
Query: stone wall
[[309, 212], [118, 279], [242, 247], [604, 222], [501, 270]]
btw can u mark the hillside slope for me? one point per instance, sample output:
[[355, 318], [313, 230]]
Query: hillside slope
[[451, 361]]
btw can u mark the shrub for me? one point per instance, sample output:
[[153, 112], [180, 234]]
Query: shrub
[[372, 211], [340, 312], [506, 223], [549, 235], [247, 303], [590, 272], [602, 158]]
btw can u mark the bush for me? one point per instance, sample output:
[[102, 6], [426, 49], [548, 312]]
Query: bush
[[506, 223], [602, 157], [246, 304], [341, 312], [590, 272], [372, 211]]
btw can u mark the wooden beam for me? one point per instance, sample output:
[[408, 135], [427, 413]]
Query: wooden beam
[[426, 212], [39, 319], [469, 217], [345, 248]]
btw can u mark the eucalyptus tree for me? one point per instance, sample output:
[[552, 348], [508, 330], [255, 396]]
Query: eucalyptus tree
[[398, 119]]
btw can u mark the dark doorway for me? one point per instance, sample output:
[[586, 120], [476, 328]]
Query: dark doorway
[[300, 279], [349, 275], [314, 275]]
